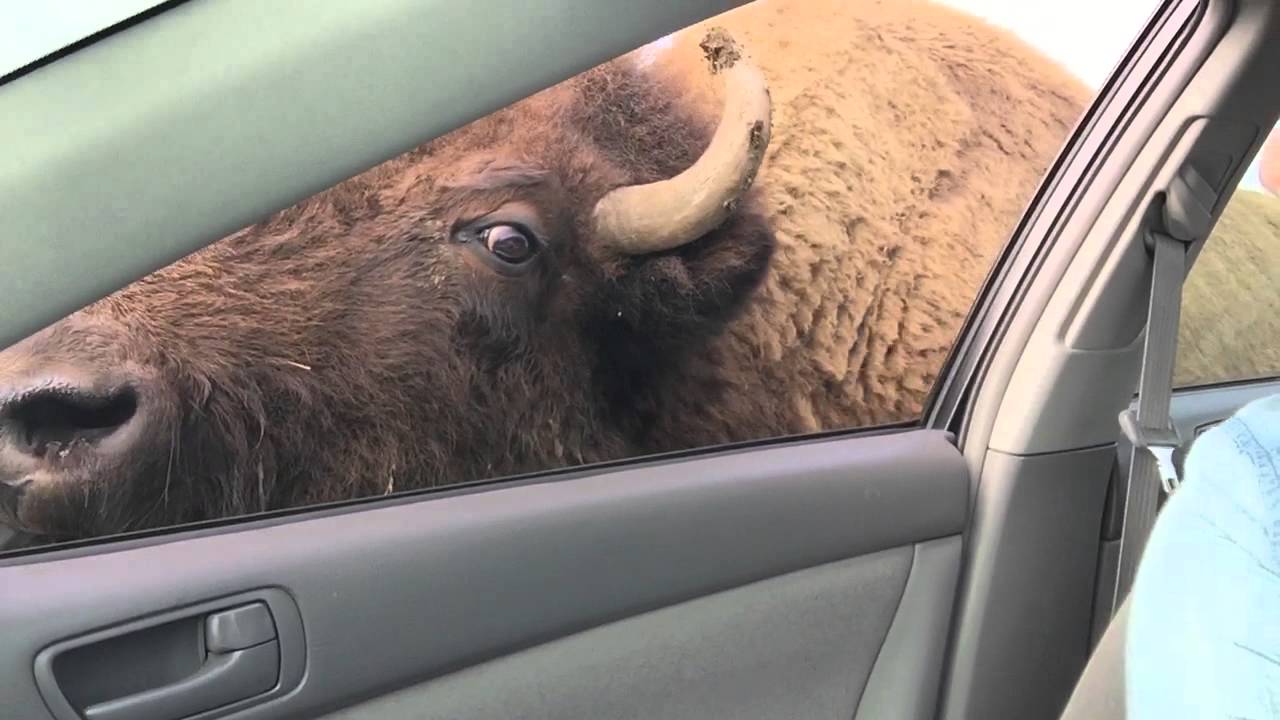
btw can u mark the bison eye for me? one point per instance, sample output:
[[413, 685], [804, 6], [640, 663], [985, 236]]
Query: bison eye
[[510, 243]]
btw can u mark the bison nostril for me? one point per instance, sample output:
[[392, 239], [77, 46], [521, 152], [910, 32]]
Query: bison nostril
[[58, 417]]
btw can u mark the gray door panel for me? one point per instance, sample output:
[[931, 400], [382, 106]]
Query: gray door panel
[[392, 595], [908, 674], [800, 645]]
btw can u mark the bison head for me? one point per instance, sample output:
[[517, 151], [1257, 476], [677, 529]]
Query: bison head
[[507, 298]]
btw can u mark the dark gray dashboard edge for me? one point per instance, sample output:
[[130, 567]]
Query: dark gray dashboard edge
[[426, 588]]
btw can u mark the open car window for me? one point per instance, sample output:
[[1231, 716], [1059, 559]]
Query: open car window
[[769, 225]]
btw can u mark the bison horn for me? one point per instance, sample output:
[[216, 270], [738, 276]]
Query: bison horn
[[640, 219]]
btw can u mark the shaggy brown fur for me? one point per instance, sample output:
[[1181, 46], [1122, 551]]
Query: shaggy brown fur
[[356, 345]]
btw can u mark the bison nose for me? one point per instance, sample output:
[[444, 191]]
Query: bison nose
[[56, 418]]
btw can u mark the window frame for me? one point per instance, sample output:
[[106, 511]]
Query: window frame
[[1168, 30]]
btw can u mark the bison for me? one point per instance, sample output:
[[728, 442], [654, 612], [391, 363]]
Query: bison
[[513, 296]]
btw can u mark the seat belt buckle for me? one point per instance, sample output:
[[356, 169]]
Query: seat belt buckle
[[1160, 443]]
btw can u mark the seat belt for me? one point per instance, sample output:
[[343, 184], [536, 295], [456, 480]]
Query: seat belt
[[1149, 430], [1187, 218]]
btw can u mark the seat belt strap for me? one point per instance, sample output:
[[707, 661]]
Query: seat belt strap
[[1149, 430]]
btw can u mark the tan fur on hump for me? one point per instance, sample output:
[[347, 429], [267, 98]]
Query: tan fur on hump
[[907, 140]]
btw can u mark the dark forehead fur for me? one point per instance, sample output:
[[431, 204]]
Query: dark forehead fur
[[638, 123]]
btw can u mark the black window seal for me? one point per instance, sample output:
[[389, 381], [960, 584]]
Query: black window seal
[[88, 40]]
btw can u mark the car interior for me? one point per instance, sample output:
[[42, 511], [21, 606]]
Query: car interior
[[960, 568]]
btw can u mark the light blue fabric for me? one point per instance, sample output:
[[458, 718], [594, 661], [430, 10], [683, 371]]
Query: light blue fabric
[[1204, 627]]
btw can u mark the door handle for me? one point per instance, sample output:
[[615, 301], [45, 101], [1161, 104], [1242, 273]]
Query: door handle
[[243, 660], [205, 659]]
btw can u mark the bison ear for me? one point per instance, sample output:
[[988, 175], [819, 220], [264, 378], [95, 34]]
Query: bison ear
[[662, 305]]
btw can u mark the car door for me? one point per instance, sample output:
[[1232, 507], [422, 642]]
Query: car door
[[828, 573]]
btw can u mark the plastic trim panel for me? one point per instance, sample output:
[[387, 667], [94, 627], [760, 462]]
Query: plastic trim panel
[[907, 676], [396, 595], [1022, 634], [799, 645]]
